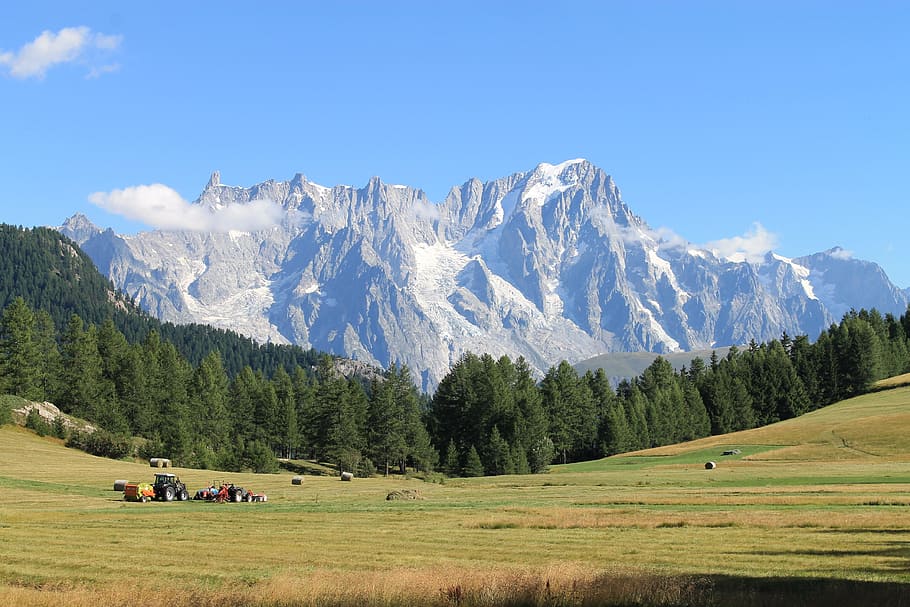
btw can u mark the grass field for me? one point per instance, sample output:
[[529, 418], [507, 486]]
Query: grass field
[[811, 511]]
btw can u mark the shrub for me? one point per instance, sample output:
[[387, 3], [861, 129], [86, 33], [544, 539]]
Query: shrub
[[34, 421], [365, 468], [259, 458], [151, 448], [58, 427], [101, 443], [8, 402]]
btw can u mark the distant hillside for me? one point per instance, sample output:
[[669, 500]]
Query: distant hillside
[[51, 273], [868, 428], [626, 365]]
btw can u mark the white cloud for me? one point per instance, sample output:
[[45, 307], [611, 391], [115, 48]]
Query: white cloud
[[839, 253], [69, 45], [669, 239], [751, 246], [602, 218], [97, 72], [163, 208], [425, 210]]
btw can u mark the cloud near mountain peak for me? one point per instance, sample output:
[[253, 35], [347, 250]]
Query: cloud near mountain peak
[[161, 207]]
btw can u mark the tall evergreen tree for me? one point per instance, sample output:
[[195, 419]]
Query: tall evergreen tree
[[20, 360], [532, 435], [473, 465], [305, 403], [208, 397], [284, 429], [49, 370], [173, 425], [242, 397], [570, 407], [385, 434], [84, 390]]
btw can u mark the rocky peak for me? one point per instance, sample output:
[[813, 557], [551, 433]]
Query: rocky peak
[[79, 228]]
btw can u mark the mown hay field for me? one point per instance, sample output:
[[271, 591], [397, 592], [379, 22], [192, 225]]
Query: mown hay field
[[813, 505]]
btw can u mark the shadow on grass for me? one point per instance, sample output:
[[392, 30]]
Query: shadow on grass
[[604, 590], [793, 592], [895, 552]]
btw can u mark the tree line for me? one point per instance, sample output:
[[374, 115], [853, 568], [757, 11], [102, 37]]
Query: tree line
[[488, 416], [51, 273], [200, 415]]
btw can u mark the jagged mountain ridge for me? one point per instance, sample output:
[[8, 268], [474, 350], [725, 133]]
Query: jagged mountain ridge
[[547, 264]]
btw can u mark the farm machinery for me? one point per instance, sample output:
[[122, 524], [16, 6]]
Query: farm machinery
[[166, 488], [138, 492], [169, 487], [228, 492]]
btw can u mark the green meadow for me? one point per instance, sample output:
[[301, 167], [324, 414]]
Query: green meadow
[[813, 510]]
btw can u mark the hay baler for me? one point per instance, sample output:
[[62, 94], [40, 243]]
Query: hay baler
[[138, 492]]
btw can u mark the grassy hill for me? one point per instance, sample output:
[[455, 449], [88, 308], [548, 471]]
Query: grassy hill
[[812, 511], [869, 429]]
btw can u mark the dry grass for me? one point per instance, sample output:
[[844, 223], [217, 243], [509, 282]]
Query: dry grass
[[558, 585], [650, 529], [894, 382]]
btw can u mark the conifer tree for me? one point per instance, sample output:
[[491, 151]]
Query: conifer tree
[[49, 370], [570, 408], [209, 403], [132, 387], [83, 393], [473, 465], [635, 403], [454, 412], [452, 465], [173, 424], [305, 402], [532, 437], [284, 429], [242, 404], [20, 360], [385, 435], [499, 455]]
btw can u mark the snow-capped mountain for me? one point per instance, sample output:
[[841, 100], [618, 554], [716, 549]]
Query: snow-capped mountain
[[838, 279], [549, 264]]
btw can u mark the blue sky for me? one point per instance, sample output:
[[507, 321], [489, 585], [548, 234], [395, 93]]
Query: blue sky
[[784, 123]]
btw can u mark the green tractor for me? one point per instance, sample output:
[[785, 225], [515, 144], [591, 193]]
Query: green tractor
[[168, 488]]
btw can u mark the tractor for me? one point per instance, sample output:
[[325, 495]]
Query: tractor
[[223, 491], [168, 488]]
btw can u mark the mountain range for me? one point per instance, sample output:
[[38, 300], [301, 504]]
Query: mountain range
[[548, 264]]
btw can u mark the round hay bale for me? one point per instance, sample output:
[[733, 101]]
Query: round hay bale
[[297, 480], [710, 466], [347, 476], [119, 485], [160, 462]]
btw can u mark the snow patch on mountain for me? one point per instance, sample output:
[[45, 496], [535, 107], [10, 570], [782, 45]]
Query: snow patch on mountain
[[802, 272], [548, 180], [432, 280]]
